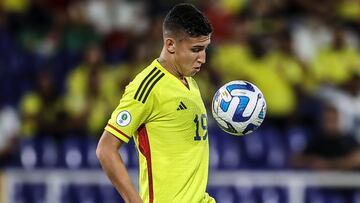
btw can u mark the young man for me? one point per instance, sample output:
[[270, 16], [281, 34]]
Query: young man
[[163, 111]]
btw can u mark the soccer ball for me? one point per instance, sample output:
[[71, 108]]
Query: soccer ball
[[239, 107]]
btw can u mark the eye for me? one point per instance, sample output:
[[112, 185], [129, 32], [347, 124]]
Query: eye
[[196, 49]]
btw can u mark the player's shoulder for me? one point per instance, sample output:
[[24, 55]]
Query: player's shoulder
[[147, 82], [152, 71]]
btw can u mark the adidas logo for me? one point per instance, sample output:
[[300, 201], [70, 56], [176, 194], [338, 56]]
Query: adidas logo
[[181, 106]]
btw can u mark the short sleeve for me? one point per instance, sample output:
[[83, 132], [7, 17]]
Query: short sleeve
[[131, 113]]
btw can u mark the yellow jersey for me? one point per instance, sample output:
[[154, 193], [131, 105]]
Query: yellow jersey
[[168, 123]]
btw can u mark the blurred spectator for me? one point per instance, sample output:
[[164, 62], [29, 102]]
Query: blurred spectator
[[41, 109], [9, 133], [115, 45], [284, 61], [32, 26], [346, 99], [309, 33], [91, 89], [229, 58], [117, 15], [78, 33], [334, 64], [349, 12], [279, 93], [331, 148], [320, 8], [218, 13]]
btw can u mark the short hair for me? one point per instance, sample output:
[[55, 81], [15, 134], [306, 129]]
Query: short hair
[[185, 18]]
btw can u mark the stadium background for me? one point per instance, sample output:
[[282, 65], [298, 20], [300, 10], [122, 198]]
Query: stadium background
[[64, 64]]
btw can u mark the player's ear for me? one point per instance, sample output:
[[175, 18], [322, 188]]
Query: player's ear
[[170, 45]]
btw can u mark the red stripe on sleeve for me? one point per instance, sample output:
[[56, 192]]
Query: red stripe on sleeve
[[119, 131], [144, 147]]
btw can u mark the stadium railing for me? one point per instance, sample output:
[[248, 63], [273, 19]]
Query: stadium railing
[[295, 182]]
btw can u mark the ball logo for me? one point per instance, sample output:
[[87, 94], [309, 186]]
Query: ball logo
[[123, 118]]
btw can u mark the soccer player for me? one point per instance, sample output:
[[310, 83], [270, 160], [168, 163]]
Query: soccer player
[[162, 110]]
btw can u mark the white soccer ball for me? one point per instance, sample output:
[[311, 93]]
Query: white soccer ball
[[239, 107]]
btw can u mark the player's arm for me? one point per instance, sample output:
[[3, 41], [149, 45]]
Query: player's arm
[[114, 167]]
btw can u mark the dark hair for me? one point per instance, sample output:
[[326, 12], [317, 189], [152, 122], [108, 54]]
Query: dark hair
[[185, 18]]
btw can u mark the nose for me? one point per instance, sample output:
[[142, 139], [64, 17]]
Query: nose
[[202, 57]]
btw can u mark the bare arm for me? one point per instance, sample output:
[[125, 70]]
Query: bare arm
[[114, 167], [348, 162]]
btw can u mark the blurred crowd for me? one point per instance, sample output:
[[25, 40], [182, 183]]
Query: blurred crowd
[[64, 64]]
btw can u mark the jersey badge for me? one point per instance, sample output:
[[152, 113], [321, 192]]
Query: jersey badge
[[123, 118]]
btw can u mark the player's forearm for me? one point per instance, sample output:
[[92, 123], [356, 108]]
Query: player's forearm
[[115, 169]]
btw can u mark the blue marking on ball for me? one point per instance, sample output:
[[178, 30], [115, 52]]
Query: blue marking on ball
[[246, 86]]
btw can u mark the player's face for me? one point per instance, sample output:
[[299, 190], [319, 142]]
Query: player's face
[[190, 54]]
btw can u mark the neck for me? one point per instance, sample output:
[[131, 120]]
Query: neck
[[166, 61]]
